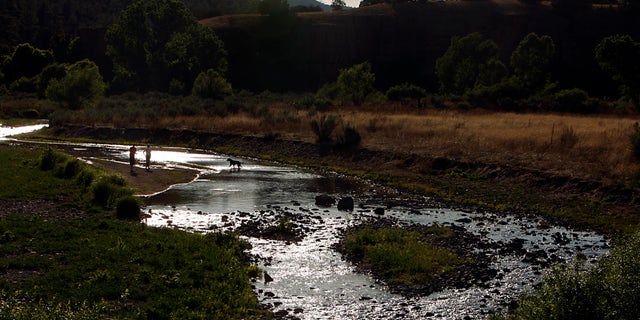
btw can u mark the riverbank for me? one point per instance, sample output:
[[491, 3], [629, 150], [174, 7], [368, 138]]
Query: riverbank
[[565, 199], [143, 182]]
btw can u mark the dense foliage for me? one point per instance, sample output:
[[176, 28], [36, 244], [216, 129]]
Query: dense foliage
[[166, 52], [620, 56], [81, 84], [356, 83], [607, 291], [469, 61], [211, 84], [58, 24]]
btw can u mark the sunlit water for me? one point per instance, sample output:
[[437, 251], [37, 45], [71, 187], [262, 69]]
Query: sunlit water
[[311, 280], [7, 131]]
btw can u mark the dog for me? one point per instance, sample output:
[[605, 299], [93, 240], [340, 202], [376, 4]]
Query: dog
[[234, 163]]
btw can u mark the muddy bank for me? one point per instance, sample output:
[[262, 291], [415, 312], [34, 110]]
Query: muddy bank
[[469, 186]]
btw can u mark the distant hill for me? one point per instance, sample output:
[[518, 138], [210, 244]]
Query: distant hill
[[402, 42], [309, 3]]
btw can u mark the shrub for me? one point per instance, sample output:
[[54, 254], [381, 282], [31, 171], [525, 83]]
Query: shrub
[[81, 85], [24, 84], [571, 100], [323, 128], [329, 91], [566, 293], [635, 141], [568, 137], [70, 168], [349, 139], [310, 101], [106, 189], [211, 84], [128, 208], [607, 291], [49, 158], [406, 91], [355, 84]]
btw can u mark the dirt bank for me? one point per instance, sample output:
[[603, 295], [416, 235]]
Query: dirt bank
[[142, 181], [467, 185]]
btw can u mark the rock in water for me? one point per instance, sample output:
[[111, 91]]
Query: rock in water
[[325, 200], [345, 204]]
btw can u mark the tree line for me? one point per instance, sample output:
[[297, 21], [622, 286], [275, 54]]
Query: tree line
[[54, 24], [160, 46]]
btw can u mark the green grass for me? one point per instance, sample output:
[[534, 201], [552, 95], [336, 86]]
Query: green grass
[[401, 256], [100, 267], [134, 270], [22, 180]]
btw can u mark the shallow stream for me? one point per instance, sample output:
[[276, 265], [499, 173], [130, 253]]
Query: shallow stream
[[309, 279]]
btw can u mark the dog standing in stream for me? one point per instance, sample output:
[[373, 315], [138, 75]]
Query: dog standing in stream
[[234, 163]]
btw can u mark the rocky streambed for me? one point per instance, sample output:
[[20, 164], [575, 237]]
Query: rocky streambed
[[294, 238]]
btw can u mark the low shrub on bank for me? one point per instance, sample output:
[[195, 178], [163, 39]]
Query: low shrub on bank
[[101, 189], [608, 290]]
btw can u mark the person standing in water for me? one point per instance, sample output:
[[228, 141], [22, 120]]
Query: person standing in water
[[132, 158], [147, 154]]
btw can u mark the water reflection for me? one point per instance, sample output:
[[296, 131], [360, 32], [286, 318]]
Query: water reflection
[[7, 131], [311, 281]]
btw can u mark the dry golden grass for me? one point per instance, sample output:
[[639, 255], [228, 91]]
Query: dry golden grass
[[587, 147]]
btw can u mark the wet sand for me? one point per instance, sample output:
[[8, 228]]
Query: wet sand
[[144, 182]]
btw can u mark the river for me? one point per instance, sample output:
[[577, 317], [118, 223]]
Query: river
[[312, 281]]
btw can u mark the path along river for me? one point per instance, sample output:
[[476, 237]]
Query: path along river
[[310, 279]]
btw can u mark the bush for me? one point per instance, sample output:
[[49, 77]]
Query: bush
[[323, 128], [83, 84], [607, 291], [70, 168], [635, 141], [406, 91], [48, 159], [350, 139], [106, 189], [211, 84], [571, 100], [328, 91], [128, 208], [355, 84]]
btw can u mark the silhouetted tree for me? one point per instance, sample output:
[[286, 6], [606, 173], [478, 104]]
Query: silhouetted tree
[[81, 85], [25, 61], [530, 61], [338, 5], [620, 56], [356, 83], [469, 61]]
